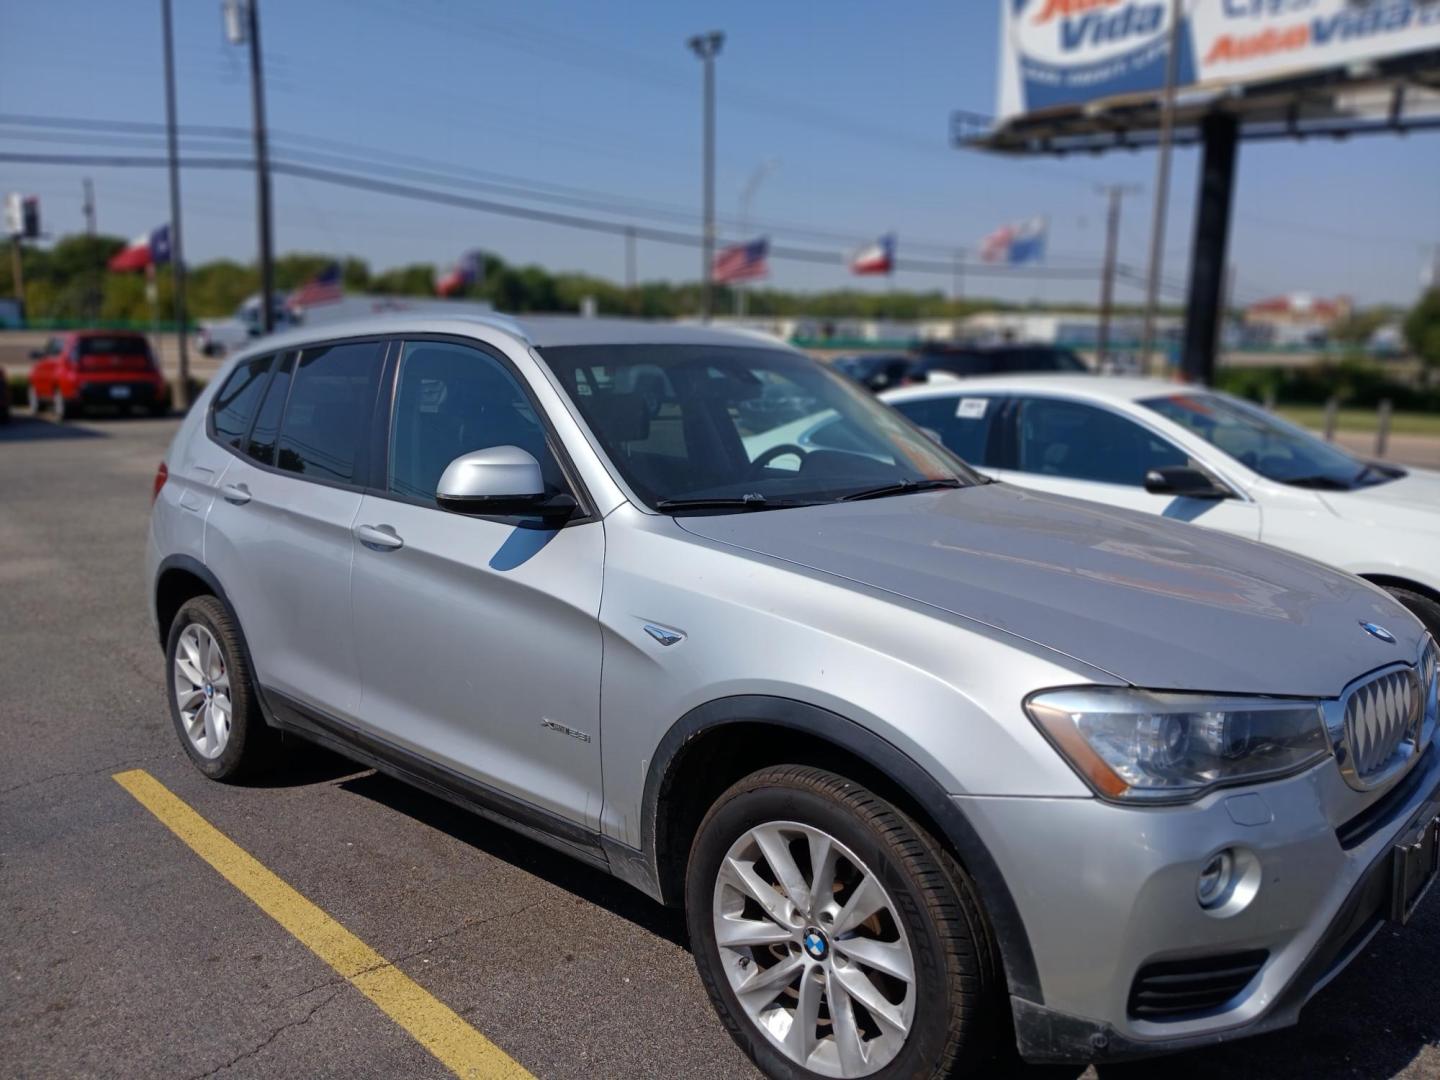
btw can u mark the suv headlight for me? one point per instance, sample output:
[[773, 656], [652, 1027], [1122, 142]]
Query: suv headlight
[[1142, 746]]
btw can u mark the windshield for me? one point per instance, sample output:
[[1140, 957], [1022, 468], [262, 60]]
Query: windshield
[[1266, 444], [760, 428], [120, 345]]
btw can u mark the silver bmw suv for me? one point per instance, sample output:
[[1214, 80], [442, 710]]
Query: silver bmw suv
[[925, 758]]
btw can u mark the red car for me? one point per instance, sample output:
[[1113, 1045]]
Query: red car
[[90, 368]]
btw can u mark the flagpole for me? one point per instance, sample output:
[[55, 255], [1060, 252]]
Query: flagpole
[[177, 250]]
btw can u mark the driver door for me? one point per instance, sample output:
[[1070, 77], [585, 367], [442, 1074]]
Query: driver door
[[477, 638]]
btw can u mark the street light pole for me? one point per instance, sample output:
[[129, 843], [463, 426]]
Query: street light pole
[[707, 47], [242, 25], [177, 248], [1162, 184]]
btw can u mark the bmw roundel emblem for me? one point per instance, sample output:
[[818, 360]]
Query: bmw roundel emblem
[[1378, 632], [815, 944]]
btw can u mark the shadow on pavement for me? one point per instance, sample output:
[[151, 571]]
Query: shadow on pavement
[[24, 427], [594, 886]]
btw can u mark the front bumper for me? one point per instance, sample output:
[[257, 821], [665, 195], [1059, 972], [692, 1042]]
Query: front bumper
[[1105, 890]]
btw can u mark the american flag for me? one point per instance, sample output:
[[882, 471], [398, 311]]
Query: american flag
[[323, 288], [742, 262]]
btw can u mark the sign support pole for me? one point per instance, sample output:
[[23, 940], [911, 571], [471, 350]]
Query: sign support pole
[[1208, 253]]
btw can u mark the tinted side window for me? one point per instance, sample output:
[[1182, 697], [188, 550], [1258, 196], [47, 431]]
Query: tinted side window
[[451, 400], [327, 419], [263, 435], [236, 402], [1066, 438], [964, 424]]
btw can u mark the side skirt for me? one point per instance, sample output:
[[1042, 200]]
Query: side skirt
[[497, 806]]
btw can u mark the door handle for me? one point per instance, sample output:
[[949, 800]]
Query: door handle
[[238, 494], [378, 537]]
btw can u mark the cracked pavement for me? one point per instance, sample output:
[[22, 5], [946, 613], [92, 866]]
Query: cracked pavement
[[122, 954]]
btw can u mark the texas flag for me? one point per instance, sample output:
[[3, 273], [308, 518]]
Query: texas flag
[[470, 270], [146, 250], [1015, 244], [878, 258]]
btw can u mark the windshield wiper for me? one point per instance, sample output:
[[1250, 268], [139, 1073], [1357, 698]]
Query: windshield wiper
[[753, 501], [1327, 483], [902, 487]]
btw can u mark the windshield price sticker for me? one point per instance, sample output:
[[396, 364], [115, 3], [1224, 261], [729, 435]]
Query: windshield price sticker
[[972, 408]]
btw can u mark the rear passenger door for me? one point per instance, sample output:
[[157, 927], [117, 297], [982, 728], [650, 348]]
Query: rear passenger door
[[279, 536], [969, 425], [477, 637]]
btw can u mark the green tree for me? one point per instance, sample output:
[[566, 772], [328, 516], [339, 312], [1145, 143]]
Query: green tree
[[1422, 331]]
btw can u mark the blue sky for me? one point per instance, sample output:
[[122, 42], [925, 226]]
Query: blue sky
[[852, 101]]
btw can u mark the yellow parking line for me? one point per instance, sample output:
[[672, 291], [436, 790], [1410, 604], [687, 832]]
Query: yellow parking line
[[434, 1025]]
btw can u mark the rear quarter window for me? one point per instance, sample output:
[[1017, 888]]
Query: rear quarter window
[[237, 400]]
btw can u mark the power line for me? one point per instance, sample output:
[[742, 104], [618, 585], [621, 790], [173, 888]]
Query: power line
[[654, 233]]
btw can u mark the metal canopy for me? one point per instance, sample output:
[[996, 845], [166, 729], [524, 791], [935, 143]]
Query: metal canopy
[[1395, 95]]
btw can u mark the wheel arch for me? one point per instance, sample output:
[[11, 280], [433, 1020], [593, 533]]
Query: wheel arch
[[1395, 581], [717, 743], [180, 578]]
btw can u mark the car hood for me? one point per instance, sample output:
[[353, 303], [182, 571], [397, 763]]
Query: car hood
[[1155, 603], [1411, 502]]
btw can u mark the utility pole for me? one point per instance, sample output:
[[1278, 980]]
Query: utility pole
[[1116, 194], [242, 26], [17, 271], [89, 207], [1162, 184], [957, 274], [177, 249], [630, 257], [92, 289], [707, 47]]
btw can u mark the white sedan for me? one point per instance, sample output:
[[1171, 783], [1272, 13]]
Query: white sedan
[[1196, 455]]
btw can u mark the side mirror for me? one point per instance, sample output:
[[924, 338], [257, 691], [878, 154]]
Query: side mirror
[[1185, 482], [37, 354], [503, 481]]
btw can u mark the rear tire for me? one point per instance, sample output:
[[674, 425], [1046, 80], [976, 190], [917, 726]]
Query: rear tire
[[64, 410], [1422, 607], [911, 990], [211, 692]]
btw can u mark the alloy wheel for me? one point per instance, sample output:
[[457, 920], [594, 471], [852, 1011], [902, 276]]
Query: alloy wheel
[[202, 690], [814, 949]]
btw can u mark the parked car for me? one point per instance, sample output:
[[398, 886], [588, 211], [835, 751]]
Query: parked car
[[217, 337], [920, 755], [1198, 455], [968, 360], [91, 368], [879, 371]]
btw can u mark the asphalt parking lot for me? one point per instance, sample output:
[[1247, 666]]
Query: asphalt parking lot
[[124, 954]]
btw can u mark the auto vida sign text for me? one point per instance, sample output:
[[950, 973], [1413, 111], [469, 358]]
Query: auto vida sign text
[[1065, 52]]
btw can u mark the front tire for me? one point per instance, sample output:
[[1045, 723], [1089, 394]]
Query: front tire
[[834, 936], [1422, 607], [212, 697]]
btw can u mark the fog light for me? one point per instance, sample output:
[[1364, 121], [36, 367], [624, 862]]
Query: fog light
[[1216, 878]]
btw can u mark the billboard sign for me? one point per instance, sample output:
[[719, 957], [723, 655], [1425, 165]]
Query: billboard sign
[[1071, 52]]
